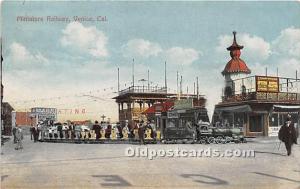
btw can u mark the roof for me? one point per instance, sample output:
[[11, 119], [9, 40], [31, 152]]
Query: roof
[[234, 45], [7, 106], [236, 65], [165, 107]]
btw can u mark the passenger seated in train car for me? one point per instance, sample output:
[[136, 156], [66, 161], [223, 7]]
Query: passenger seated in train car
[[66, 130], [60, 131], [108, 131], [132, 128], [151, 128], [126, 133], [119, 127], [72, 130], [97, 128], [141, 132]]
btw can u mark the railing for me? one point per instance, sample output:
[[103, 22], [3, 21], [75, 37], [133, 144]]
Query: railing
[[143, 89], [281, 96], [285, 85]]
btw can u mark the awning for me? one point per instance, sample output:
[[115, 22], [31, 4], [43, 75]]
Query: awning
[[242, 108], [286, 108]]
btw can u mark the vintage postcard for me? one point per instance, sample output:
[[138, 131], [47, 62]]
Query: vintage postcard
[[150, 94]]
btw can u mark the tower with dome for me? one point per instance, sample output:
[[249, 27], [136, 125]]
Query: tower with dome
[[256, 104]]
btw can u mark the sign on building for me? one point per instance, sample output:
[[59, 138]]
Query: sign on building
[[42, 114], [183, 103], [267, 84], [273, 131]]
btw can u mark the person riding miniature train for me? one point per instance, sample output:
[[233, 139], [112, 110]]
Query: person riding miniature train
[[141, 132], [108, 131], [97, 128]]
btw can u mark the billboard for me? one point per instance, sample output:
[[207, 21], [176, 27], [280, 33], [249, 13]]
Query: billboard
[[43, 114], [267, 84]]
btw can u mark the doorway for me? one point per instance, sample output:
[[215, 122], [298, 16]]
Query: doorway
[[256, 123]]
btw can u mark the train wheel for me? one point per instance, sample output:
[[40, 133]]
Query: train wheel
[[218, 140], [202, 140], [211, 140], [228, 139], [222, 140]]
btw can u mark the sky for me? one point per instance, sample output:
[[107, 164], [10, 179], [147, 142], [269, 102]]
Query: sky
[[72, 64]]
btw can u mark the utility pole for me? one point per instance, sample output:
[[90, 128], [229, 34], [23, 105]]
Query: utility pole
[[118, 79], [133, 73], [148, 81], [180, 86], [297, 83], [166, 77], [194, 89], [177, 87], [187, 91], [197, 89]]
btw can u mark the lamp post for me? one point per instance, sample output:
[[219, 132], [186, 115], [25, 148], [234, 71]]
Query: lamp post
[[103, 117]]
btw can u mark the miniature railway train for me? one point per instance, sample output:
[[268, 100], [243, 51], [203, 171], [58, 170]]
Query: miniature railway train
[[203, 134]]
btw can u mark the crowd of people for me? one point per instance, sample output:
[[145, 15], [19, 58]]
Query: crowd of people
[[125, 129], [35, 132], [109, 131]]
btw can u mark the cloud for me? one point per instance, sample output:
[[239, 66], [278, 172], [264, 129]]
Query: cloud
[[255, 48], [288, 43], [145, 49], [141, 48], [21, 57], [85, 39], [288, 66], [183, 56]]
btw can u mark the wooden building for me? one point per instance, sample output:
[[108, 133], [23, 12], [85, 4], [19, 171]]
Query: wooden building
[[25, 119], [258, 105], [6, 119], [134, 102]]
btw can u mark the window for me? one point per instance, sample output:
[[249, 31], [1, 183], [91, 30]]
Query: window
[[228, 91], [239, 120], [244, 89], [172, 123]]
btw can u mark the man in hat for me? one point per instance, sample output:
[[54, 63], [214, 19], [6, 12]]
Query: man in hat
[[19, 138], [97, 128], [288, 135], [14, 130], [141, 132]]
